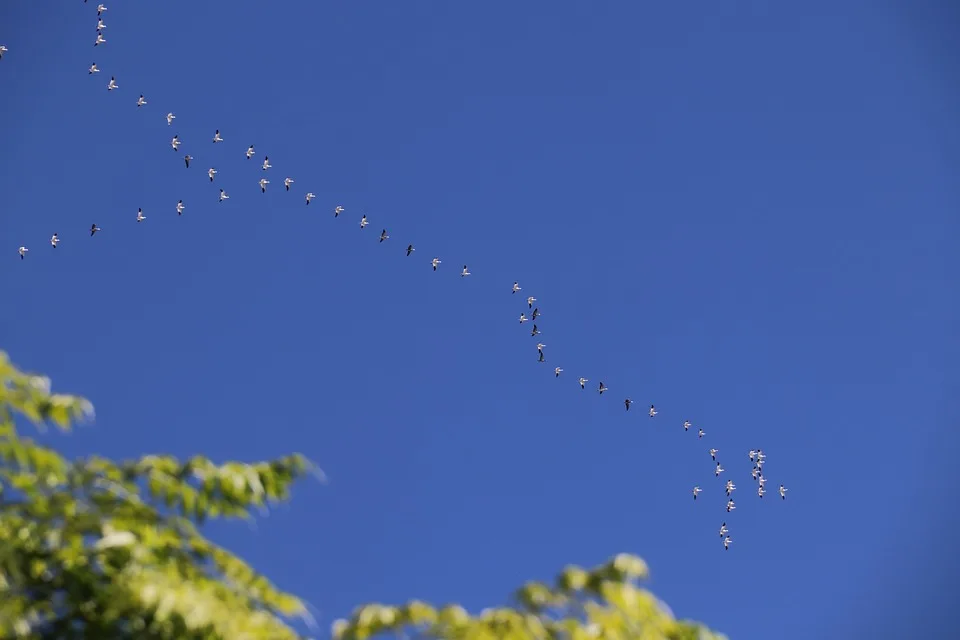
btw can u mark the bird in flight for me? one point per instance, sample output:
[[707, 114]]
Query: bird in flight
[[175, 142], [718, 470], [216, 136], [523, 318], [140, 216], [54, 240], [653, 411], [337, 210], [266, 163], [582, 382], [112, 84], [516, 287], [530, 301], [23, 252], [93, 229], [100, 9], [223, 195], [435, 262], [186, 159], [713, 454], [602, 388], [700, 433], [310, 196], [3, 50], [731, 505], [410, 250], [730, 487], [536, 313], [383, 235], [141, 101], [170, 118], [180, 207], [696, 490], [783, 492], [100, 25], [211, 172], [627, 403], [686, 425], [100, 40], [723, 529], [249, 152], [726, 542], [534, 331], [556, 372], [287, 182], [263, 185], [93, 69], [363, 222], [465, 272]]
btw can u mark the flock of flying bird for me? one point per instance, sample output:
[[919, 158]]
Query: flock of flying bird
[[756, 456]]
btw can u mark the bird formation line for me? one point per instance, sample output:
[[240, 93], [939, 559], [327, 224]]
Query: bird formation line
[[756, 456]]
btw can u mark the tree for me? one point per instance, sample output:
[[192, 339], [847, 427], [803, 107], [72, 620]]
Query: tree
[[604, 603], [97, 549], [110, 550]]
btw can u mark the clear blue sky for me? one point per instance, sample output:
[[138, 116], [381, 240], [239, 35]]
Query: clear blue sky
[[744, 212]]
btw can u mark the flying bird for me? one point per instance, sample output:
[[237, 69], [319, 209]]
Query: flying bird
[[723, 529], [363, 222], [310, 196], [54, 240], [582, 382], [383, 235], [223, 196], [249, 152], [337, 210], [263, 185], [652, 411], [287, 182], [686, 425], [465, 272], [761, 490], [186, 160], [141, 101], [713, 454], [516, 287], [435, 262], [100, 25], [726, 542], [93, 69], [534, 331], [783, 492], [540, 347], [602, 388], [93, 229], [730, 487], [112, 84], [140, 216], [523, 318], [541, 358], [696, 490], [216, 136], [266, 163], [530, 301], [23, 252], [556, 372], [627, 403], [175, 142], [100, 40], [536, 313], [718, 470], [3, 50], [211, 172], [410, 250], [730, 505], [170, 118], [180, 207], [100, 9], [700, 433]]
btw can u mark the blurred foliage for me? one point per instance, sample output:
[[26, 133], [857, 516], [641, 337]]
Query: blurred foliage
[[97, 549], [92, 548], [603, 603]]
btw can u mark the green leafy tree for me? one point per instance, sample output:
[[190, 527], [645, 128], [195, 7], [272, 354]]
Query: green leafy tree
[[91, 548], [96, 549], [603, 603]]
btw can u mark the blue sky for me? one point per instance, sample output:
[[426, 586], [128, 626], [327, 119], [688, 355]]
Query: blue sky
[[742, 212]]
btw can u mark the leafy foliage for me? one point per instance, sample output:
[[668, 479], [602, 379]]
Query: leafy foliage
[[582, 605], [96, 549]]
